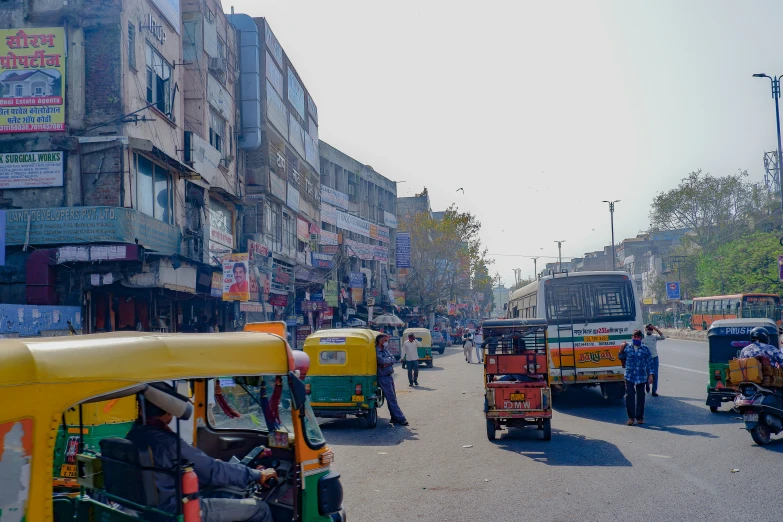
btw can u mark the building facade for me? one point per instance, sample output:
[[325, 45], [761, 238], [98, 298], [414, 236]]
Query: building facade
[[109, 166], [359, 222], [279, 138]]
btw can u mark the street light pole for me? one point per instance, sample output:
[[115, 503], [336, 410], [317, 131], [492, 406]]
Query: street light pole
[[776, 96], [560, 254], [611, 219]]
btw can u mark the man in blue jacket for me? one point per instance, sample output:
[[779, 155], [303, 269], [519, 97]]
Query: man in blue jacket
[[385, 380], [638, 373], [156, 435]]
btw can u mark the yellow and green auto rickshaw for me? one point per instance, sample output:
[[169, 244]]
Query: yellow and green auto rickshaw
[[42, 379], [342, 379], [424, 336]]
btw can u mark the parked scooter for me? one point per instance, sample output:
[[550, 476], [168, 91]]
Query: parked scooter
[[761, 409]]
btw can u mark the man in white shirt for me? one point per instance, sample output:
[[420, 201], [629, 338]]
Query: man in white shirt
[[410, 352], [651, 340]]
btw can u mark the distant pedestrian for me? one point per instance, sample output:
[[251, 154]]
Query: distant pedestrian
[[468, 345], [385, 362], [638, 372], [410, 352], [651, 341], [478, 340]]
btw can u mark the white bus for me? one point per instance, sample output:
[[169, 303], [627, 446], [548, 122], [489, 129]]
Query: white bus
[[590, 315]]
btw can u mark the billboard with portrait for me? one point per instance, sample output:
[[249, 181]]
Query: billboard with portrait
[[236, 283]]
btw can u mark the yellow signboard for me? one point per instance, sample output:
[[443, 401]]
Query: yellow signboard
[[32, 80]]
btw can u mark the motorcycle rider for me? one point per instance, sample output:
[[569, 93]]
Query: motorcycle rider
[[759, 345]]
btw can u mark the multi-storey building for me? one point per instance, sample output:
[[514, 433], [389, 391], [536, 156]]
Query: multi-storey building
[[359, 212], [279, 137], [110, 163]]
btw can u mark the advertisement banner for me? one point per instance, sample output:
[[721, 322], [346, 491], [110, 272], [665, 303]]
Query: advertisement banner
[[31, 170], [236, 286], [357, 280], [330, 293], [328, 238], [334, 197], [260, 283], [403, 253], [302, 230], [328, 214], [217, 284], [673, 291], [278, 299], [32, 80]]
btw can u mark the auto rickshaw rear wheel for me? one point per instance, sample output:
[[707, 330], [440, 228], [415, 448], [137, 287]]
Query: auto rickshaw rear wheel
[[760, 433], [371, 417], [547, 429], [490, 429]]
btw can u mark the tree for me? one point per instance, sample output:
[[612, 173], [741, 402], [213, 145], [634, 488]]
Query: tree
[[714, 209], [747, 264], [446, 258]]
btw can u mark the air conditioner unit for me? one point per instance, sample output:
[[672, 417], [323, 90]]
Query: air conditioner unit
[[217, 65]]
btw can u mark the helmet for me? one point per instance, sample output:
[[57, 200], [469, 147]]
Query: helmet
[[759, 334]]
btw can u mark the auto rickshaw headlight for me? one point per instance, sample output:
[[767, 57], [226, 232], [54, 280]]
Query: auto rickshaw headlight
[[358, 389]]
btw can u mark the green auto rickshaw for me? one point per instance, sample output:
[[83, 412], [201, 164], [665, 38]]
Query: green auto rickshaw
[[342, 379], [725, 338], [424, 336]]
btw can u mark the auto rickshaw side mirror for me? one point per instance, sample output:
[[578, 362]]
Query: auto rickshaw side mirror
[[297, 391]]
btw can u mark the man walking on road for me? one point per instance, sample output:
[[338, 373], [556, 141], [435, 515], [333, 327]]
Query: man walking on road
[[385, 380], [651, 341], [467, 346], [410, 351], [638, 372]]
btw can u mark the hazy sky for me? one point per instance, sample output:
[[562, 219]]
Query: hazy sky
[[540, 110]]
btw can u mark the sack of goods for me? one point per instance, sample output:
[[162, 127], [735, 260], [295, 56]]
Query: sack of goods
[[771, 376], [745, 370]]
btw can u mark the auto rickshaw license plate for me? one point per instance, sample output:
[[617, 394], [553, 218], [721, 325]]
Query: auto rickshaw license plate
[[751, 417], [68, 470], [517, 397], [596, 338], [357, 398]]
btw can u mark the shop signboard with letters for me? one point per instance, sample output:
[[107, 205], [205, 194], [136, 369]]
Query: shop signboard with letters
[[32, 80], [31, 170]]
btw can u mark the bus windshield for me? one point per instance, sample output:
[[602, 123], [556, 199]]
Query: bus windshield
[[589, 301]]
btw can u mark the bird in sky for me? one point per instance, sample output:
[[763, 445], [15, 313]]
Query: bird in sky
[[462, 189]]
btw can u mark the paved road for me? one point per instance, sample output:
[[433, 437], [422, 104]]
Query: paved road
[[677, 467]]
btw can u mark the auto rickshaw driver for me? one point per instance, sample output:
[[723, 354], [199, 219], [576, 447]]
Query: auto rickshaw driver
[[151, 430]]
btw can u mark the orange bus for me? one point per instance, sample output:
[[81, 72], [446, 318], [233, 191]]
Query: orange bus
[[709, 309]]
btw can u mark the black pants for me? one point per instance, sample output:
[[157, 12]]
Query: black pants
[[634, 400]]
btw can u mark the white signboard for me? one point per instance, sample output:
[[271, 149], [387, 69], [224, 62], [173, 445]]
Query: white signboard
[[31, 170]]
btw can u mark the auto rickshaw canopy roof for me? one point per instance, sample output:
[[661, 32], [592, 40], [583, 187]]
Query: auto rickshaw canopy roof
[[726, 337], [357, 345]]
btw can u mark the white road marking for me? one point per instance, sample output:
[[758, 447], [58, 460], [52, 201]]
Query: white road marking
[[685, 369], [659, 456]]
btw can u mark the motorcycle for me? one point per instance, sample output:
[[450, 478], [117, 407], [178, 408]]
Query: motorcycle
[[761, 409]]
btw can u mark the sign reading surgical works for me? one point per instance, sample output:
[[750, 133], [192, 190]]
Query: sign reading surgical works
[[52, 226], [31, 170], [32, 79]]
